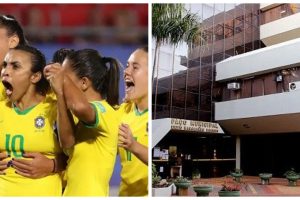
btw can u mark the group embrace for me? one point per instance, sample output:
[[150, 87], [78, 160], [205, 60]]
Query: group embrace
[[62, 125]]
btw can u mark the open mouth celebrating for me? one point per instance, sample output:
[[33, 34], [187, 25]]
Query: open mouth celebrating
[[8, 87], [129, 85]]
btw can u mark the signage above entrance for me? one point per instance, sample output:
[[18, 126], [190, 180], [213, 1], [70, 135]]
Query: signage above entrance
[[195, 126]]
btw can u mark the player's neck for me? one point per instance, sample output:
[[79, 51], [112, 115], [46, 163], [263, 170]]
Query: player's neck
[[28, 100], [92, 95], [142, 104]]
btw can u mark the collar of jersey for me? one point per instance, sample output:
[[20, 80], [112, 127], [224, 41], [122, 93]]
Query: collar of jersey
[[138, 113], [22, 112]]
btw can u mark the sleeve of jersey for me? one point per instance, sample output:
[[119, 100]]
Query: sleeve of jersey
[[102, 117]]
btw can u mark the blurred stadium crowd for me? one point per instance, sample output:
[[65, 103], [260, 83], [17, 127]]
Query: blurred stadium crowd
[[79, 23]]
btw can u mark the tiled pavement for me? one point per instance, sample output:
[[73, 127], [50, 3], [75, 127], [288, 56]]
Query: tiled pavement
[[251, 186]]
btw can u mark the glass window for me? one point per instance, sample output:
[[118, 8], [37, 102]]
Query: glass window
[[219, 32], [193, 80], [163, 96], [178, 112], [205, 115], [191, 114], [161, 112], [205, 102], [192, 100], [179, 80], [206, 72], [178, 98]]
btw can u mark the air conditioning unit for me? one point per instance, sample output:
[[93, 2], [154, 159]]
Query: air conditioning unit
[[233, 86], [294, 86]]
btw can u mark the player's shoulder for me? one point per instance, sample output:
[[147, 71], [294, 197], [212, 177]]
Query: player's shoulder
[[102, 106], [126, 107], [5, 104]]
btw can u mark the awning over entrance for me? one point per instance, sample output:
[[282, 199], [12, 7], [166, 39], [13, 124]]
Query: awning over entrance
[[160, 127]]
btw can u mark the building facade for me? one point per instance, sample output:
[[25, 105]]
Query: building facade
[[237, 76], [259, 103]]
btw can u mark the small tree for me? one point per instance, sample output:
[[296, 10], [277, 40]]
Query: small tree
[[172, 24], [155, 178]]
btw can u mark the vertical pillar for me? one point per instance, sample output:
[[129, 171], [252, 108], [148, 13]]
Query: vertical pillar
[[238, 153]]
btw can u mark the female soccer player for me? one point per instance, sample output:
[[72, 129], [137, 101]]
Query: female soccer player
[[90, 89], [60, 55], [27, 123], [11, 35], [133, 130]]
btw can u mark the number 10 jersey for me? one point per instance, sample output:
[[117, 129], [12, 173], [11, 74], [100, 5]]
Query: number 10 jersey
[[31, 130]]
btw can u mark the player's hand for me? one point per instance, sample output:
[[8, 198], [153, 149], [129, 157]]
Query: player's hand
[[125, 139], [3, 164], [37, 167], [54, 73], [50, 70]]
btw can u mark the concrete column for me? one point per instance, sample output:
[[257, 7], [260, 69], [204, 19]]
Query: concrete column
[[238, 152]]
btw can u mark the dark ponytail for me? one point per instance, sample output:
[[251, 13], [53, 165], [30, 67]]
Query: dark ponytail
[[103, 72], [38, 63], [112, 78]]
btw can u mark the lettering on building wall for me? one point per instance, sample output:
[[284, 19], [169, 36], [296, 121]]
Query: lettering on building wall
[[196, 126]]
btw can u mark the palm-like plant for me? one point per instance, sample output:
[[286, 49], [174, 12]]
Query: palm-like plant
[[172, 24]]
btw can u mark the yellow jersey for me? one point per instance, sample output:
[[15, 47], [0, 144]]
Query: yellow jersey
[[51, 96], [92, 159], [134, 173], [2, 92], [31, 130]]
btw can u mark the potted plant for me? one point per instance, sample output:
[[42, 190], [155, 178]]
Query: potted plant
[[160, 187], [182, 184], [292, 177], [230, 188], [196, 174], [237, 174], [202, 190], [265, 178]]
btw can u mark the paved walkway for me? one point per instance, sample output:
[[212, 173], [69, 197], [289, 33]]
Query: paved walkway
[[251, 186]]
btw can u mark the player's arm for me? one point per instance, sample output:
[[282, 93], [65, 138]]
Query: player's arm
[[66, 126], [140, 151], [38, 165], [77, 102], [127, 141], [55, 74], [3, 164]]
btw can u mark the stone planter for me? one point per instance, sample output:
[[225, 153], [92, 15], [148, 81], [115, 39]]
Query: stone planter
[[229, 193], [196, 176], [236, 176], [202, 190], [292, 179], [182, 188], [164, 191], [265, 178]]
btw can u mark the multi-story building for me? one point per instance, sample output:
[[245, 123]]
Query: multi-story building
[[260, 94], [240, 76]]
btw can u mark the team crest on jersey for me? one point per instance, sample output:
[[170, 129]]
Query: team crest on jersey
[[39, 122]]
